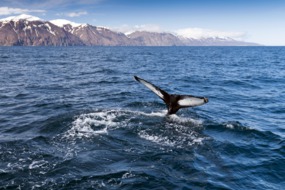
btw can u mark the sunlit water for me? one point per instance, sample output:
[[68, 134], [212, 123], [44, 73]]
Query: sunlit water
[[74, 118]]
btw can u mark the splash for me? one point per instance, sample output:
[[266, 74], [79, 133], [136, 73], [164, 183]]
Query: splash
[[100, 122], [87, 125], [173, 131], [183, 120]]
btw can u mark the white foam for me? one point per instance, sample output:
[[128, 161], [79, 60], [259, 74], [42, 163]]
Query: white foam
[[172, 117], [87, 125], [175, 132], [199, 140], [180, 140], [230, 126], [37, 164], [156, 139], [128, 175], [152, 114], [178, 130], [183, 120], [2, 171], [98, 122]]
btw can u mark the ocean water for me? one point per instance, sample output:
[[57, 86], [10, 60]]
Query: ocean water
[[74, 118]]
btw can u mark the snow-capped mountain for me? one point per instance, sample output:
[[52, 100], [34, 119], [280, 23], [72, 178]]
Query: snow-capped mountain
[[94, 35], [27, 30]]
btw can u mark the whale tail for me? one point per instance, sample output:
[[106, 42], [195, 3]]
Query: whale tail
[[173, 102]]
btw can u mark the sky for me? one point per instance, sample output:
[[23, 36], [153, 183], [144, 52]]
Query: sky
[[259, 21]]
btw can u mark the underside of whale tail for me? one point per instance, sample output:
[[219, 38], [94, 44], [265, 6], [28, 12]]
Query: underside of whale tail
[[173, 102], [160, 93]]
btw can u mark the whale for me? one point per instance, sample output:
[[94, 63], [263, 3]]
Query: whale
[[174, 102]]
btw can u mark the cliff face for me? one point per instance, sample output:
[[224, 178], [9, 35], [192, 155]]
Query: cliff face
[[100, 36], [35, 33], [26, 30]]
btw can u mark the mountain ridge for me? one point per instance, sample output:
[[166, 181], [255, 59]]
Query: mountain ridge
[[27, 30]]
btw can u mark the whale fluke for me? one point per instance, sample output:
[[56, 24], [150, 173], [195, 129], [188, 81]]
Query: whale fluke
[[174, 101]]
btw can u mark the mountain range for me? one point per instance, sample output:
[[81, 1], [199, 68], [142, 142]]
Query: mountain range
[[27, 30]]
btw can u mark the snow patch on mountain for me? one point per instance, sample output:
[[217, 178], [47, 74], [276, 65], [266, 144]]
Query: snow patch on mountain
[[62, 22], [20, 17]]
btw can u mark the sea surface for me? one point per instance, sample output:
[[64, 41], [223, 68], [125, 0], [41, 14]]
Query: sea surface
[[74, 118]]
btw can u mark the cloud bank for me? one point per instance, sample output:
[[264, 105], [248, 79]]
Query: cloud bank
[[73, 14], [198, 33], [127, 29], [11, 11], [76, 14], [195, 33]]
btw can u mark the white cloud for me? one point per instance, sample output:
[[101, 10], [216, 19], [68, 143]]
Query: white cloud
[[76, 14], [11, 11], [144, 27], [48, 4], [198, 33]]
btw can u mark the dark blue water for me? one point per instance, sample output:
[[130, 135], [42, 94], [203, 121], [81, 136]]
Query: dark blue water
[[74, 118]]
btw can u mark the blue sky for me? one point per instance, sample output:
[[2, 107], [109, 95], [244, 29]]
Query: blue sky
[[261, 21]]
